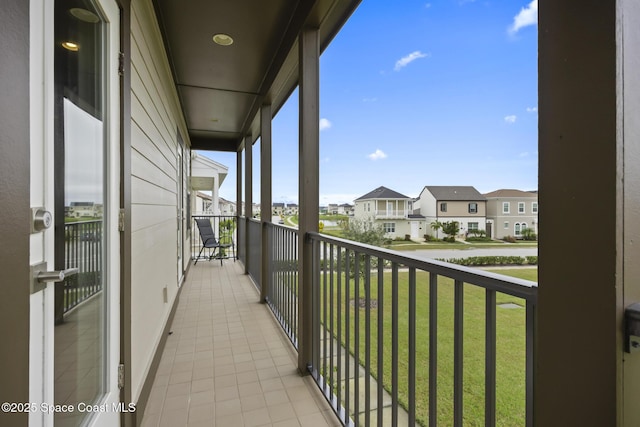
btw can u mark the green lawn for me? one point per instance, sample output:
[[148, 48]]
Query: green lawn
[[510, 345]]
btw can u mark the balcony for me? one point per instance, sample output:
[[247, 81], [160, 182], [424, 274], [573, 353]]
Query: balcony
[[441, 338], [390, 214]]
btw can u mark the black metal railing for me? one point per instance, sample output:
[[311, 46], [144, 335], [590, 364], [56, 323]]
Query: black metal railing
[[399, 339], [254, 230], [84, 251], [282, 295], [225, 229]]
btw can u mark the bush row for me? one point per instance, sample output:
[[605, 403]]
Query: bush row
[[493, 260]]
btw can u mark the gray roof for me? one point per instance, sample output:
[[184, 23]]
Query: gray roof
[[454, 193], [508, 192], [383, 193]]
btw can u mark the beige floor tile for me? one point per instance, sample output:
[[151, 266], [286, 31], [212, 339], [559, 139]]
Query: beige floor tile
[[227, 363]]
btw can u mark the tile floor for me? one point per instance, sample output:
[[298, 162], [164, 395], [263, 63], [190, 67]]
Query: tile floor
[[227, 362]]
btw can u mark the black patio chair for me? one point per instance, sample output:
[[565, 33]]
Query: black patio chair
[[209, 241]]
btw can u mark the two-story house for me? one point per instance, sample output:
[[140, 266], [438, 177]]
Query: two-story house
[[463, 204], [510, 211], [393, 210]]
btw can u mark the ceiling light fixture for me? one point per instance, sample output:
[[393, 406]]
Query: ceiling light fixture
[[73, 47], [84, 15], [222, 39]]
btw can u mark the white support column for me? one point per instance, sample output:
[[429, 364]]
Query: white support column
[[265, 196], [309, 185]]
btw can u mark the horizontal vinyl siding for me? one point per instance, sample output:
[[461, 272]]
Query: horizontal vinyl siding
[[155, 117]]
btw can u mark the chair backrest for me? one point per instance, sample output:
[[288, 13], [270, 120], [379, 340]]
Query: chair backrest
[[206, 231]]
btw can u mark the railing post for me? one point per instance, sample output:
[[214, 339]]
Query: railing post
[[309, 187], [248, 196]]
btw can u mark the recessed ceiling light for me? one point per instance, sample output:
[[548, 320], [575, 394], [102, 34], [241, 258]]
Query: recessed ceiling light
[[222, 39], [73, 47], [84, 15]]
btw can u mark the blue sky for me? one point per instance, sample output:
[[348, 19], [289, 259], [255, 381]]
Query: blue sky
[[417, 93]]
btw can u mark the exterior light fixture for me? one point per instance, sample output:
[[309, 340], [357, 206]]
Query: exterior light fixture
[[222, 39], [73, 47]]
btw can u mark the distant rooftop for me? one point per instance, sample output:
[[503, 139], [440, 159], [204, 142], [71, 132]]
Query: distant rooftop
[[383, 193], [507, 192], [453, 193]]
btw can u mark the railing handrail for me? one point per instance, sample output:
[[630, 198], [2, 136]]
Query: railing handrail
[[88, 221], [520, 288]]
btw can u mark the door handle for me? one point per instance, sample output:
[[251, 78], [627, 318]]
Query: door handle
[[40, 276], [55, 276]]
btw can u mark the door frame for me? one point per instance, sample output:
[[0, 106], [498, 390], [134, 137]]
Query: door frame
[[14, 227]]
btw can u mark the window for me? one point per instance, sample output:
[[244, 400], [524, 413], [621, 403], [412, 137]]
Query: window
[[519, 228], [473, 208], [443, 207], [506, 208], [506, 225], [520, 207], [534, 207], [472, 226], [368, 207], [389, 227]]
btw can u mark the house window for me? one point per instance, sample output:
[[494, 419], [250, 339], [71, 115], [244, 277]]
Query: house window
[[534, 207], [389, 227], [472, 226], [520, 207], [519, 228], [506, 225], [506, 208], [368, 207], [473, 208], [443, 207]]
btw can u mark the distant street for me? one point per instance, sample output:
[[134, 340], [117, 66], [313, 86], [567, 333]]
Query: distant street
[[461, 253]]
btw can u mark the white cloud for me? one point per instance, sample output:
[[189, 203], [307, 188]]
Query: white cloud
[[368, 100], [324, 124], [532, 109], [377, 155], [406, 60], [527, 16], [510, 119], [524, 154]]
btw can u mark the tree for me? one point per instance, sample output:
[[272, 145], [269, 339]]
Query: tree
[[366, 232], [435, 226], [451, 229], [362, 231]]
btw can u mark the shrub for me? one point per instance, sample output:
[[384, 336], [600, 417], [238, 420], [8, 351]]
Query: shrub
[[529, 234], [477, 239], [449, 239], [532, 260], [509, 239]]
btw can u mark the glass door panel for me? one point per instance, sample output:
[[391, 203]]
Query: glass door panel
[[80, 143]]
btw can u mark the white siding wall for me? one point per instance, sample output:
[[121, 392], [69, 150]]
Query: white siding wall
[[154, 181], [427, 204]]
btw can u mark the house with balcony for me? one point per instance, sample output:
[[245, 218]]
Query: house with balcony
[[510, 211], [393, 211], [142, 325], [462, 204]]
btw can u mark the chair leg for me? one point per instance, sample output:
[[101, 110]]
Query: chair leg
[[198, 257]]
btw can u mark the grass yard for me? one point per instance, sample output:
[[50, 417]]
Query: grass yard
[[510, 404]]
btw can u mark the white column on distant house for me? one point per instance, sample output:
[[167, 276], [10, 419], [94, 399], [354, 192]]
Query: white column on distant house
[[215, 198], [265, 196], [308, 187]]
